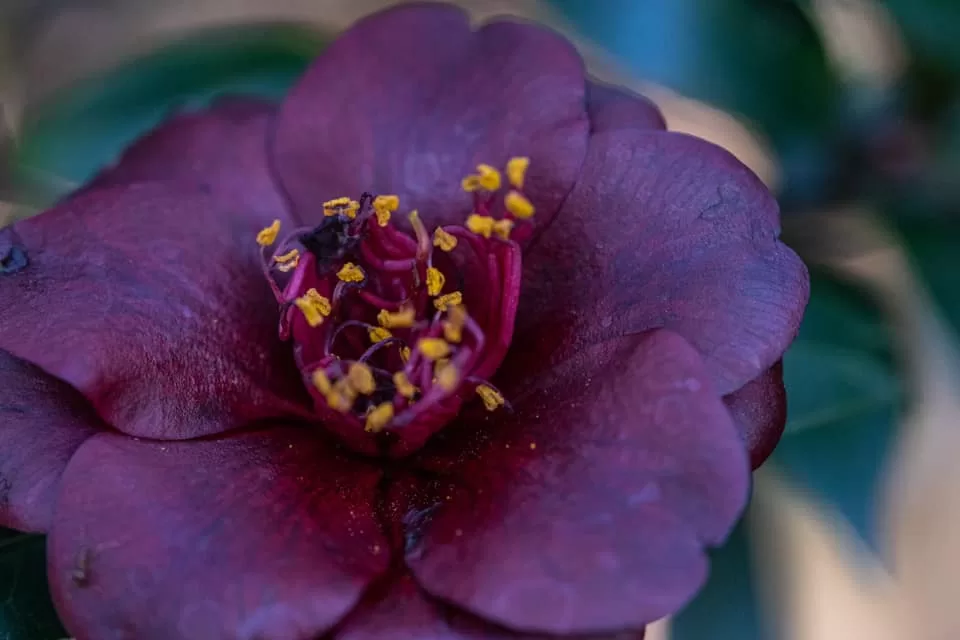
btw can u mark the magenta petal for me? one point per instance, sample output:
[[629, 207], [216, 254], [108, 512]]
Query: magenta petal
[[588, 509], [664, 230], [759, 410], [151, 302], [222, 149], [410, 100], [42, 422], [265, 535], [612, 108]]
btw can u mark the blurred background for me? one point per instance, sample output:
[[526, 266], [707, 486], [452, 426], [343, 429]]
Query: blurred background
[[848, 109]]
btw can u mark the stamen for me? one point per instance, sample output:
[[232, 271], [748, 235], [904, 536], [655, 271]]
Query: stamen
[[433, 348], [379, 334], [503, 228], [379, 417], [321, 381], [448, 377], [453, 326], [447, 300], [402, 319], [341, 396], [314, 307], [517, 171], [443, 240], [480, 225], [517, 204], [488, 177], [361, 378], [288, 261], [404, 387], [340, 205], [423, 238], [268, 236], [383, 207], [470, 184], [492, 399], [351, 273], [435, 281], [405, 354]]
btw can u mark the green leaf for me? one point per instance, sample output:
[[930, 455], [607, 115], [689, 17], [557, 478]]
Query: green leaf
[[762, 60], [85, 127], [932, 244], [930, 28], [26, 612]]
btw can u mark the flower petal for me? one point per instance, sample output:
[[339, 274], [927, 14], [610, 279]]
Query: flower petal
[[400, 610], [266, 535], [612, 108], [152, 303], [410, 100], [42, 422], [759, 410], [587, 510], [664, 230], [222, 149]]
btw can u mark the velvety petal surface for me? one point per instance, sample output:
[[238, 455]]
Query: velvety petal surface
[[267, 536], [150, 300], [663, 230], [613, 108], [410, 100], [587, 509], [42, 422], [222, 149], [759, 410]]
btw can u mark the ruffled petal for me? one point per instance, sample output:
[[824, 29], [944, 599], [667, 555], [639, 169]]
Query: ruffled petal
[[586, 510], [662, 230], [42, 422], [410, 100], [266, 535], [151, 301], [613, 108], [759, 410], [222, 150]]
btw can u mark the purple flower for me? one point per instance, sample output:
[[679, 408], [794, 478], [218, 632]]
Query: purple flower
[[327, 435]]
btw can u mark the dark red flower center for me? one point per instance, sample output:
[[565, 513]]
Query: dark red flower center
[[394, 330]]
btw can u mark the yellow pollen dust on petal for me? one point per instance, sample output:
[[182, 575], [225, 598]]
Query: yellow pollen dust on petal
[[502, 228], [453, 326], [443, 240], [361, 378], [402, 319], [404, 387], [517, 171], [488, 177], [433, 348], [517, 204], [447, 376], [492, 399], [435, 281], [379, 417], [341, 396], [314, 307], [321, 381], [447, 300], [268, 236], [350, 272], [379, 334], [480, 225], [405, 354]]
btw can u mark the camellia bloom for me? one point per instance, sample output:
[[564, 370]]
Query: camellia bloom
[[452, 344]]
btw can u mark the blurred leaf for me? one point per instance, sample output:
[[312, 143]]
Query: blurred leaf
[[844, 395], [933, 246], [930, 28], [26, 612], [67, 139], [761, 59]]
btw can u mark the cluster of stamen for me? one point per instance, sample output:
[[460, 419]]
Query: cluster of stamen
[[379, 317]]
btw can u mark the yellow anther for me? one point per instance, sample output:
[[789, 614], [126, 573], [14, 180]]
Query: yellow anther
[[379, 417], [453, 326], [268, 236], [423, 238], [288, 261], [480, 225], [314, 307], [333, 207], [433, 348], [517, 171], [361, 378], [435, 281], [470, 184], [321, 382], [492, 399], [341, 396], [405, 354], [518, 205], [488, 177], [448, 376], [404, 387], [443, 240], [447, 300], [402, 319], [351, 273], [383, 207], [383, 217], [503, 228], [379, 334]]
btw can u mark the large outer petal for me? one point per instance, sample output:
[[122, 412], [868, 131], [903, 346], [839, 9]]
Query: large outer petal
[[664, 230], [409, 101], [222, 149], [612, 108], [262, 535], [759, 410], [150, 300], [587, 510], [42, 422]]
